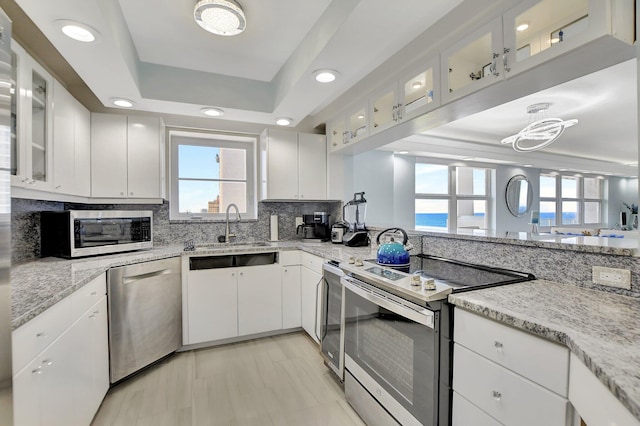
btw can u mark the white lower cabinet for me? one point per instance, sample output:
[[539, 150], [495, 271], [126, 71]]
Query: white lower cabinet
[[291, 298], [259, 299], [310, 295], [229, 302], [506, 376], [212, 305], [65, 382]]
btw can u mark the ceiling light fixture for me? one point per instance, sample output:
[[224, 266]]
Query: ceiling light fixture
[[77, 31], [325, 76], [283, 121], [123, 103], [212, 112], [221, 17], [522, 27], [540, 131]]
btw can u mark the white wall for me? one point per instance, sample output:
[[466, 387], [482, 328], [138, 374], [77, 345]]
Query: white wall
[[505, 221], [620, 190], [373, 173]]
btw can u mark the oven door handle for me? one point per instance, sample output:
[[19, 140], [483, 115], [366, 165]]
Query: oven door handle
[[418, 314]]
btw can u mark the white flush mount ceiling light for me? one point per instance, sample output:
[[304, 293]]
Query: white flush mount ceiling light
[[283, 121], [212, 112], [77, 31], [540, 132], [221, 17], [325, 76], [122, 102]]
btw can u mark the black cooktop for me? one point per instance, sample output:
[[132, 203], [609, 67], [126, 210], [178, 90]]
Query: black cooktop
[[461, 276]]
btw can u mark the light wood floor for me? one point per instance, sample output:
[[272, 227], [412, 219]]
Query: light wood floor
[[272, 381]]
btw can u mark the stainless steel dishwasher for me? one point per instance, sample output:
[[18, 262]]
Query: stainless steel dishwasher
[[145, 314]]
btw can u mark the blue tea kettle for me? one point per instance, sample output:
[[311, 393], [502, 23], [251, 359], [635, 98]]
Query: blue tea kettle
[[393, 253]]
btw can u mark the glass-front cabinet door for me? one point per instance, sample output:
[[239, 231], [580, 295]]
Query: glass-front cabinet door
[[418, 92], [33, 123], [538, 30], [384, 107], [336, 134], [358, 125], [473, 63]]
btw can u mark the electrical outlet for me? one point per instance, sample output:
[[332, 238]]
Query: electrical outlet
[[612, 277], [298, 221]]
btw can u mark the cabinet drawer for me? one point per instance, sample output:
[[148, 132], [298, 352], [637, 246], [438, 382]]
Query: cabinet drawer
[[504, 395], [88, 295], [465, 414], [290, 258], [34, 336], [312, 262], [540, 360]]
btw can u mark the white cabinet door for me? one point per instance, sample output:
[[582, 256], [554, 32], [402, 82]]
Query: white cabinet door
[[108, 155], [312, 163], [291, 310], [82, 136], [282, 165], [59, 376], [63, 140], [212, 304], [259, 299], [309, 290], [143, 159], [26, 395]]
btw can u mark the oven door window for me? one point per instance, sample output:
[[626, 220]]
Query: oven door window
[[399, 354]]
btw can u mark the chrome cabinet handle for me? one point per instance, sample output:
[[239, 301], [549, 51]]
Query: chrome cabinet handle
[[498, 346], [505, 59], [494, 65], [496, 395], [47, 362], [395, 113], [400, 112], [41, 334], [37, 370]]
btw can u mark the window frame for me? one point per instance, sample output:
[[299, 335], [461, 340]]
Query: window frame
[[580, 198], [218, 140], [452, 197]]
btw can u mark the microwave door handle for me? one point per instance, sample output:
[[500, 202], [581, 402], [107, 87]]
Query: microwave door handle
[[424, 317]]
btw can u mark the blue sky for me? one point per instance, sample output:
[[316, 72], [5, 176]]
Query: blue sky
[[197, 162]]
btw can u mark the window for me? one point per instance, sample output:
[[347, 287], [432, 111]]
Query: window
[[450, 197], [209, 172], [570, 200]]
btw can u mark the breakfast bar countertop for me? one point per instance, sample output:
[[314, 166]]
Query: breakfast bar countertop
[[602, 329]]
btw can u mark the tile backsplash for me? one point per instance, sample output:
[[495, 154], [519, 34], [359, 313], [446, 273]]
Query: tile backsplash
[[25, 220]]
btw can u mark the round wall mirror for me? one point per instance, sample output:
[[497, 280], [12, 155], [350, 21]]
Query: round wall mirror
[[519, 195]]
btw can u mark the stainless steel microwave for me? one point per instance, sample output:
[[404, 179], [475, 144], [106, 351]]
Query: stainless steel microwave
[[78, 233]]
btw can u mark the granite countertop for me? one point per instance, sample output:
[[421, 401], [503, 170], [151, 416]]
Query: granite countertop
[[602, 329], [38, 285]]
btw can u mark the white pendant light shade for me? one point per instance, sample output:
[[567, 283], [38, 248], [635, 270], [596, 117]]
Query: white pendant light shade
[[221, 17]]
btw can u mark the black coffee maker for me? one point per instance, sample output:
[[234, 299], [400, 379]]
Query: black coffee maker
[[315, 226]]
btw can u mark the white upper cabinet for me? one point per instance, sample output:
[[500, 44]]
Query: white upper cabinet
[[126, 156], [472, 63], [32, 123], [71, 144], [348, 128], [293, 166], [412, 95]]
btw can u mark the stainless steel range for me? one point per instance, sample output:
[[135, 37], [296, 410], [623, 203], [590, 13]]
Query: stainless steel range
[[398, 329]]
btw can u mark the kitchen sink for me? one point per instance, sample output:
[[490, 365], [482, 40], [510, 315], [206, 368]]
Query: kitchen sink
[[244, 244], [231, 260]]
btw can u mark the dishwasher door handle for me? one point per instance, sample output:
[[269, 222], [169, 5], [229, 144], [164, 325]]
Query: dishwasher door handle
[[133, 278]]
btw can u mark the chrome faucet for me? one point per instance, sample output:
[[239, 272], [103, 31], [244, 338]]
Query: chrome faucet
[[228, 235]]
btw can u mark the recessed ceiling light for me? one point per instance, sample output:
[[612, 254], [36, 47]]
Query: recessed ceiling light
[[416, 85], [283, 121], [527, 165], [122, 103], [325, 76], [77, 31], [220, 17], [522, 27], [212, 112]]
